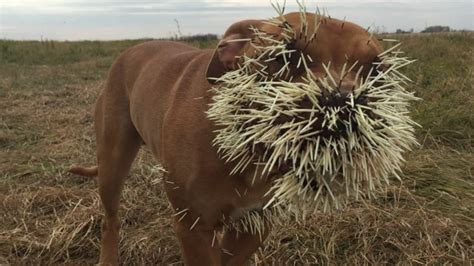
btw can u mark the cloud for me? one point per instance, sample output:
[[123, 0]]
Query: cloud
[[86, 19]]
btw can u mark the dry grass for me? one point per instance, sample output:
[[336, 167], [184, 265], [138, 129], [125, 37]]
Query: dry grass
[[47, 92]]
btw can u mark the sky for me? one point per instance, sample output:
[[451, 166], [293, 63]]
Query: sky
[[127, 19]]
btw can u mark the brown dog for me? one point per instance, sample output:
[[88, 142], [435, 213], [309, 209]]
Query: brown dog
[[158, 93]]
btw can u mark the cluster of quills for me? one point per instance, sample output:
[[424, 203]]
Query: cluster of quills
[[333, 147]]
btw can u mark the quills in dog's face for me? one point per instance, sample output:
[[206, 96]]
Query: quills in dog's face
[[340, 130]]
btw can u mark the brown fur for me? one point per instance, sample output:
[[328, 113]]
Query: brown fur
[[157, 93]]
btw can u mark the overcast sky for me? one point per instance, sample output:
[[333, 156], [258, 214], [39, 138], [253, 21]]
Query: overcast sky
[[127, 19]]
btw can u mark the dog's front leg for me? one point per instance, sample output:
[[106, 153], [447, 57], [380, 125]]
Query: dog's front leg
[[198, 242], [237, 247]]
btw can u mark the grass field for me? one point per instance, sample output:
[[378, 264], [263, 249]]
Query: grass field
[[47, 93]]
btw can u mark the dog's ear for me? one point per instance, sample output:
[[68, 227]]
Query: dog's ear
[[230, 47]]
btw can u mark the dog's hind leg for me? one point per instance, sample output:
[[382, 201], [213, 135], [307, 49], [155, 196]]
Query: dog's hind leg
[[117, 145]]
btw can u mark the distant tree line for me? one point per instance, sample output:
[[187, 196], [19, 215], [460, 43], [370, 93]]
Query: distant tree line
[[429, 29], [400, 31], [436, 29]]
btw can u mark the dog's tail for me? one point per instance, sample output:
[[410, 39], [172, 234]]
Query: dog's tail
[[84, 171]]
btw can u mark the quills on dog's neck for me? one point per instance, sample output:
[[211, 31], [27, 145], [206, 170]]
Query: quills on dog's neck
[[338, 147]]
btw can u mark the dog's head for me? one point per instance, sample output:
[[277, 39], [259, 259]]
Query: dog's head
[[327, 44], [313, 98]]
